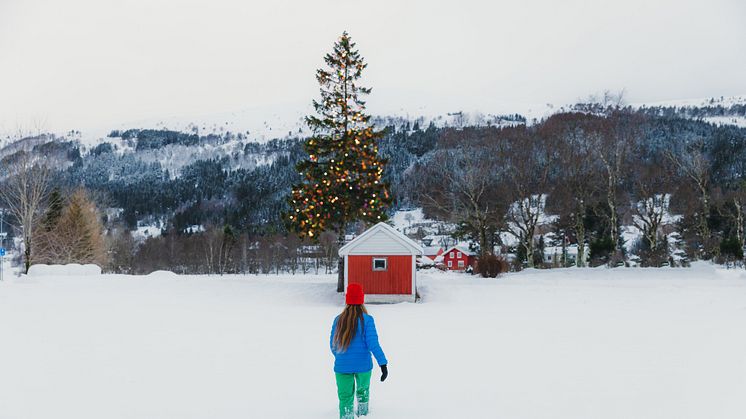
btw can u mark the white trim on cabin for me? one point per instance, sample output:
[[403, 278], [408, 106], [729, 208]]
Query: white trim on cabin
[[414, 278], [385, 266], [347, 270], [409, 246], [389, 298]]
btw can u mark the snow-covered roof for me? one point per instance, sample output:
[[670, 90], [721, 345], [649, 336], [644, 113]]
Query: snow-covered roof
[[432, 250], [426, 261], [381, 239], [571, 249], [461, 249]]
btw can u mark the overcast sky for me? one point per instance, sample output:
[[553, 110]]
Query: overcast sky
[[77, 64]]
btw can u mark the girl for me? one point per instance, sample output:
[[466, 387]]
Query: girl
[[352, 340]]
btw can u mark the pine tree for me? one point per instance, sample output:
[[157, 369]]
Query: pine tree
[[342, 174], [54, 210], [77, 236]]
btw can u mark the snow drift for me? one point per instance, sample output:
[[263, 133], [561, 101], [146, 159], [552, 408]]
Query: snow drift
[[71, 269]]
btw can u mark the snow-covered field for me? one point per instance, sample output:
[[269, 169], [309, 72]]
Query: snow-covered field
[[566, 343]]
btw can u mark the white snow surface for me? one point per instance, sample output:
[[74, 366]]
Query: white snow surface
[[71, 269], [563, 343], [142, 233], [727, 120]]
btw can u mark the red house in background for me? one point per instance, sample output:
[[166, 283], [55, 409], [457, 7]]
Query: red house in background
[[459, 258], [433, 251], [383, 261]]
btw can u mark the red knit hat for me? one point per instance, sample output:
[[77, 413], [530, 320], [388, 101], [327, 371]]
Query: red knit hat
[[355, 295]]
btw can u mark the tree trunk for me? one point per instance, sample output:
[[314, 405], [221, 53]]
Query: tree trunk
[[704, 228], [483, 240], [27, 253], [244, 254], [341, 262], [740, 225], [341, 275], [739, 222], [529, 253], [529, 245], [611, 201], [580, 232]]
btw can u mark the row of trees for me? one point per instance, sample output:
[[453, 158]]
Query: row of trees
[[223, 250], [587, 176], [61, 226]]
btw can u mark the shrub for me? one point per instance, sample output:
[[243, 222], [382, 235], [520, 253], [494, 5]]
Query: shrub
[[491, 266], [731, 248], [601, 249]]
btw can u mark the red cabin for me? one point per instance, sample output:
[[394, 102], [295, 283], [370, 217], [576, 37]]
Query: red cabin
[[459, 258], [383, 261]]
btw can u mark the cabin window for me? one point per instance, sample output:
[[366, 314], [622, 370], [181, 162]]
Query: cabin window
[[458, 255], [380, 264], [461, 264], [450, 263]]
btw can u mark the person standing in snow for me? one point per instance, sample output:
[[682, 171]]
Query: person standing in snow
[[352, 340]]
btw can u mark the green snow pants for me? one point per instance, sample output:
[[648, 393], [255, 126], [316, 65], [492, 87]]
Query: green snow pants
[[346, 392]]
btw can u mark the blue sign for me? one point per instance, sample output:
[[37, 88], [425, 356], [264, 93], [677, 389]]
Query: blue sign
[[2, 251]]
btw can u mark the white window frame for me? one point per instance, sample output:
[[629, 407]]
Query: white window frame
[[450, 264], [461, 264], [458, 255], [385, 264]]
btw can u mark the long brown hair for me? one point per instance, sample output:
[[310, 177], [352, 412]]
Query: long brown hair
[[347, 325]]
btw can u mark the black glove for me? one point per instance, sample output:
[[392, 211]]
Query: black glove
[[384, 372]]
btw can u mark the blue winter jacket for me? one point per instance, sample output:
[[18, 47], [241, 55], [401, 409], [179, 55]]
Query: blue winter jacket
[[356, 358]]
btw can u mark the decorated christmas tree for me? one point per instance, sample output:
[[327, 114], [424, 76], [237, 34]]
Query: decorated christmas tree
[[342, 175]]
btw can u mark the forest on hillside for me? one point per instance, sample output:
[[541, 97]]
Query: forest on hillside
[[587, 176]]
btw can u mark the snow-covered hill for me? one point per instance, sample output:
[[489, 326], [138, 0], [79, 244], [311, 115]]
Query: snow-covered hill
[[723, 110], [269, 122], [724, 101], [563, 343]]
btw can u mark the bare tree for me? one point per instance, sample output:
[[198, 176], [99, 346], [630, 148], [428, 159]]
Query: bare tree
[[650, 197], [577, 185], [738, 197], [461, 186], [694, 166], [528, 166], [650, 210], [523, 217], [329, 247], [613, 139], [122, 248], [218, 244], [732, 207], [24, 192]]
